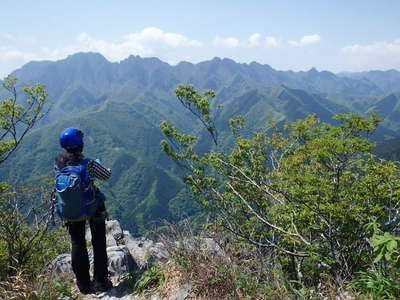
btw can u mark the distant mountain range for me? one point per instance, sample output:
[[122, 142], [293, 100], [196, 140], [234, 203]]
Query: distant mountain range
[[387, 81], [119, 107]]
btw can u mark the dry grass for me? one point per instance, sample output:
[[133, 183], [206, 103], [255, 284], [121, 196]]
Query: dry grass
[[17, 287], [231, 270], [23, 287], [213, 267], [174, 280]]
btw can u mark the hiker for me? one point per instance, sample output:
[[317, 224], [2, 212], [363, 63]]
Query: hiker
[[79, 200]]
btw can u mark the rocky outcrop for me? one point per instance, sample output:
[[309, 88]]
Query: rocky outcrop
[[182, 293], [144, 251], [62, 264], [120, 261], [125, 253]]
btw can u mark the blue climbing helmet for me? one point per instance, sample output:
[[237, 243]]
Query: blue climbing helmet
[[71, 138]]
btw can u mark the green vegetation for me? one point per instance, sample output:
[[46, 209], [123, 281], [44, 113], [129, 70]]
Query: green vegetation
[[303, 206], [146, 281], [143, 184], [26, 244], [310, 194], [119, 107], [17, 119]]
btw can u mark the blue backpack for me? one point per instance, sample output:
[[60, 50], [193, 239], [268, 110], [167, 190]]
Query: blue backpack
[[75, 193]]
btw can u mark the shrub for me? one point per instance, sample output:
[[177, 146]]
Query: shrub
[[304, 192], [26, 243], [219, 268]]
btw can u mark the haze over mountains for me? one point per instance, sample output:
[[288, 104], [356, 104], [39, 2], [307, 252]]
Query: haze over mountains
[[119, 107]]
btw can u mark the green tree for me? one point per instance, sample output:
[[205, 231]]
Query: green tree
[[16, 117], [306, 192], [22, 227]]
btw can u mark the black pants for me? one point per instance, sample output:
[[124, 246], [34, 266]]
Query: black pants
[[79, 254]]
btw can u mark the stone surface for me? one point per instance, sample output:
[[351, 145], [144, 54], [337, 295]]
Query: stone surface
[[114, 229], [110, 241], [120, 261], [114, 233], [209, 245], [62, 264], [145, 251], [182, 293], [125, 254]]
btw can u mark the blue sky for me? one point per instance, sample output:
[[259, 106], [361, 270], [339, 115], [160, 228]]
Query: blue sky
[[333, 35]]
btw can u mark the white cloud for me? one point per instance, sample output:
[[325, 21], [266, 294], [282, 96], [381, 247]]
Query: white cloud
[[8, 53], [272, 42], [6, 36], [113, 51], [254, 40], [230, 42], [27, 39], [375, 48], [149, 41], [306, 40], [12, 58], [378, 55], [154, 34]]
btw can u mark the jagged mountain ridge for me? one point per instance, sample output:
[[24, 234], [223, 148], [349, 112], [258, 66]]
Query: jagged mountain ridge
[[119, 107], [388, 81], [90, 74]]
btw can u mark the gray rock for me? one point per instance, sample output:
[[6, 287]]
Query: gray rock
[[182, 293], [209, 245], [62, 264], [127, 235], [145, 251], [120, 261], [114, 229], [110, 241], [125, 254], [114, 233]]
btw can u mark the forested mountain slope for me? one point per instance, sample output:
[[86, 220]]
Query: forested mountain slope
[[119, 107]]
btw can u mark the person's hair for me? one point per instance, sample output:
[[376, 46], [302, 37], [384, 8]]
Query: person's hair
[[71, 156]]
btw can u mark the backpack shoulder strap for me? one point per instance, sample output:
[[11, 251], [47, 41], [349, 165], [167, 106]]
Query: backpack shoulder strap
[[86, 160], [85, 176]]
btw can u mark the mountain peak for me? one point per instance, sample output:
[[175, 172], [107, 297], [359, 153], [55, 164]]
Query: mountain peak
[[87, 56], [228, 60], [313, 70], [185, 63]]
